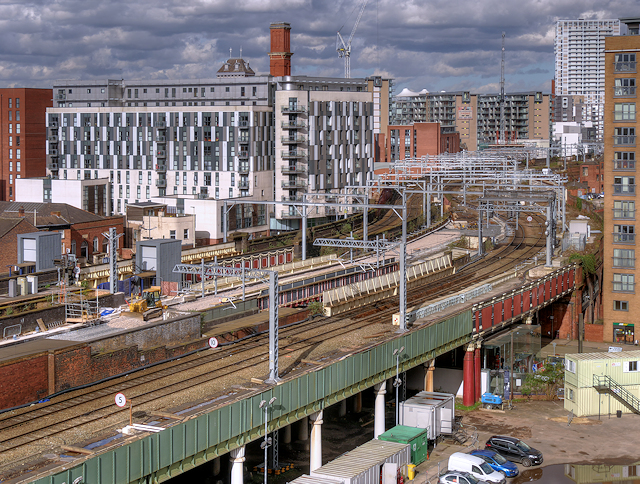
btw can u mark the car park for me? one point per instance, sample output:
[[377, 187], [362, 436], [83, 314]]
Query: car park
[[514, 450], [497, 462], [457, 477]]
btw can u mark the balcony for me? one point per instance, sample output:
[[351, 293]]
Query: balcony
[[294, 109], [294, 185], [293, 169], [292, 155], [161, 183], [624, 66], [161, 168], [288, 214], [243, 155], [624, 140], [291, 198], [53, 166], [624, 91], [53, 138], [629, 239], [243, 169], [161, 154], [161, 124], [243, 184], [288, 140], [330, 210], [293, 125], [621, 189], [53, 152], [61, 97], [162, 139]]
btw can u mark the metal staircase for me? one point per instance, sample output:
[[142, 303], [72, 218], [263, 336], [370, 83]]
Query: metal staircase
[[604, 383]]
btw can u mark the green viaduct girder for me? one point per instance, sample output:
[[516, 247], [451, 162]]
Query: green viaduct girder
[[185, 445]]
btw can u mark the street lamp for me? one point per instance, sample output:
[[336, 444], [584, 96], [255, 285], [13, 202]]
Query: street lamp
[[396, 383], [267, 440]]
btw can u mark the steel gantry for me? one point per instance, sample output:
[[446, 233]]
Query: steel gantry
[[520, 201], [212, 270], [378, 245]]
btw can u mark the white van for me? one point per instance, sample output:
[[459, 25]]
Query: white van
[[475, 466]]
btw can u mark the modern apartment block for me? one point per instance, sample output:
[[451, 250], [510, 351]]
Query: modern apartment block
[[22, 136], [580, 69], [477, 116], [621, 300], [228, 138], [417, 140]]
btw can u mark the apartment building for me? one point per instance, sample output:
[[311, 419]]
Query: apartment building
[[228, 138], [621, 300], [580, 69], [22, 136], [419, 139], [477, 116]]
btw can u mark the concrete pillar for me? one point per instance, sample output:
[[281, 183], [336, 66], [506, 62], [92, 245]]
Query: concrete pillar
[[429, 368], [342, 409], [357, 403], [237, 465], [379, 409], [51, 372], [286, 434], [303, 429], [468, 389], [477, 366], [216, 466], [315, 461]]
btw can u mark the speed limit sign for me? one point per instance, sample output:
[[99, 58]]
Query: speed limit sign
[[529, 218], [121, 400], [213, 342]]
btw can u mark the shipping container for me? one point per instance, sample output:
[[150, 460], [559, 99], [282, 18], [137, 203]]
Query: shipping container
[[364, 464], [417, 439], [305, 479], [429, 410]]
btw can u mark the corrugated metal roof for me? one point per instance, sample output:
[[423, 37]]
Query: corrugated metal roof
[[604, 355], [361, 459], [314, 480]]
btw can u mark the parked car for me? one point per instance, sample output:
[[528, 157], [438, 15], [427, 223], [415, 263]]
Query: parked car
[[497, 462], [457, 477], [475, 466], [514, 450]]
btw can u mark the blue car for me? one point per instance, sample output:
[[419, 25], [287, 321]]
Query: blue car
[[497, 462]]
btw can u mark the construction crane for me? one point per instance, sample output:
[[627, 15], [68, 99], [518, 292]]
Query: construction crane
[[503, 138], [344, 48]]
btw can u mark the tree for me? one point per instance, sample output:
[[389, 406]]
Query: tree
[[588, 262], [546, 381]]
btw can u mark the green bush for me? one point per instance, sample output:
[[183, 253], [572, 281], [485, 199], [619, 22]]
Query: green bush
[[315, 308]]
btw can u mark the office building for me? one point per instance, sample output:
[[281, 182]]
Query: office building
[[621, 300], [22, 136], [580, 70]]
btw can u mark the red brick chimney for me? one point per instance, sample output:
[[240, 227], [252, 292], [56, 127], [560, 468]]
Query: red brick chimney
[[280, 55], [21, 211]]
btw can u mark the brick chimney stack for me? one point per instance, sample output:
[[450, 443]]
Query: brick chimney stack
[[280, 55], [21, 212]]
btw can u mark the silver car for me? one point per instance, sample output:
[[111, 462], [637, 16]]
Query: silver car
[[458, 477]]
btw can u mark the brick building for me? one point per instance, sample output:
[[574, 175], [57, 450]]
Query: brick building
[[419, 139], [590, 174], [23, 136], [9, 231], [81, 230]]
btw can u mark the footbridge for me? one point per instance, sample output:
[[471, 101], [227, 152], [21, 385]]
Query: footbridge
[[227, 422]]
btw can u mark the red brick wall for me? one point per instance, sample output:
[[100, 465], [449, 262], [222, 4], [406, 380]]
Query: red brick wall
[[593, 333], [9, 244], [88, 230], [23, 381]]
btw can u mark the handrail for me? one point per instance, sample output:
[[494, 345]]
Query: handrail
[[621, 392]]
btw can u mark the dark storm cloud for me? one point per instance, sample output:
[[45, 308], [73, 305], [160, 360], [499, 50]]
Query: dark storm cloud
[[434, 44]]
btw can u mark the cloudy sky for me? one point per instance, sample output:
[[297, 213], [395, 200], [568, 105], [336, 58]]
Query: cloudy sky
[[432, 44]]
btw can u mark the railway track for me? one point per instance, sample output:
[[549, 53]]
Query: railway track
[[153, 388]]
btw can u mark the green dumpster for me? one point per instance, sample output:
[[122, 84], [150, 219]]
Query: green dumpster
[[415, 437]]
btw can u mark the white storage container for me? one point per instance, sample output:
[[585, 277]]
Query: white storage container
[[305, 479], [429, 410], [23, 286], [364, 464], [32, 282]]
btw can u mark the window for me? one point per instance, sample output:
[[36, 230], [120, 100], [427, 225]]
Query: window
[[10, 140], [186, 234], [96, 246], [89, 92], [621, 136], [230, 192], [624, 87], [623, 282], [628, 366], [624, 112], [129, 93], [624, 63], [10, 128], [17, 115], [226, 89], [242, 91], [620, 305], [10, 115], [624, 209], [172, 234], [624, 234], [624, 185], [10, 101], [255, 89], [17, 128], [570, 365], [17, 153], [585, 171], [17, 103], [624, 258], [624, 160]]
